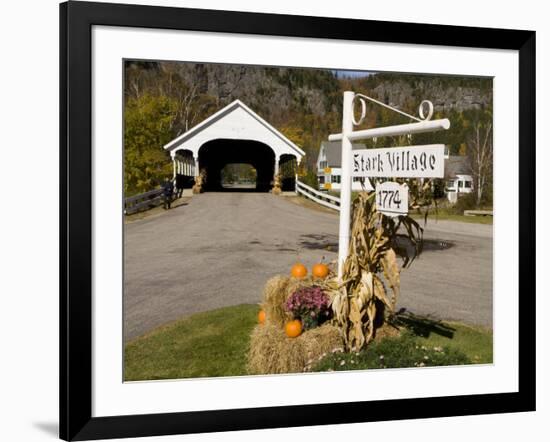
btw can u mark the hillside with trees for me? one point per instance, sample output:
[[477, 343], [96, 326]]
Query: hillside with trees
[[165, 99]]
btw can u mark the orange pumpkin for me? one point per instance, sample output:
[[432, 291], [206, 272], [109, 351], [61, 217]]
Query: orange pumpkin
[[298, 270], [261, 316], [320, 270], [293, 329]]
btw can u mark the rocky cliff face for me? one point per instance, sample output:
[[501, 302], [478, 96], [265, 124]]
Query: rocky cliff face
[[276, 92], [272, 92], [447, 97]]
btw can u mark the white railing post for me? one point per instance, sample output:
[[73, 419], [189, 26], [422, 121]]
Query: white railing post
[[321, 198], [345, 192]]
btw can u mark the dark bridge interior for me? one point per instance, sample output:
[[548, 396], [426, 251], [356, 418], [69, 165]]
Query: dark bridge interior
[[216, 154]]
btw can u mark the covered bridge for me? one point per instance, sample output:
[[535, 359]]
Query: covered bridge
[[233, 135]]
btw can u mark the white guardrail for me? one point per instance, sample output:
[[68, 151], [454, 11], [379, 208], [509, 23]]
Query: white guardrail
[[332, 202]]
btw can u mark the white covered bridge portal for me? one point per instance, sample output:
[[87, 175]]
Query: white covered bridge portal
[[234, 134]]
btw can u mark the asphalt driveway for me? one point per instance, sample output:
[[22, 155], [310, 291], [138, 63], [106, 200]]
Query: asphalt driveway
[[219, 250]]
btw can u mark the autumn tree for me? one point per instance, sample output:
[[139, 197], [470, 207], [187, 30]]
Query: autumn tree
[[480, 154], [148, 122]]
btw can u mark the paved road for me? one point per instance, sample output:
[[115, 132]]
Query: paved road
[[221, 248]]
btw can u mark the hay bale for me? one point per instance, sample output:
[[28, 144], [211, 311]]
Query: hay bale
[[294, 284], [276, 291], [272, 352], [386, 331], [274, 299], [319, 341]]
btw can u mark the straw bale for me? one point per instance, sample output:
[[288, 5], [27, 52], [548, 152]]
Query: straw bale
[[274, 299], [272, 352]]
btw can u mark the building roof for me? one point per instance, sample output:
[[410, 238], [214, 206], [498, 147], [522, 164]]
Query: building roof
[[333, 151], [456, 165], [224, 113]]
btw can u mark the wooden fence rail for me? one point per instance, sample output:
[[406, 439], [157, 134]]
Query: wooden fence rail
[[478, 213], [332, 202], [143, 201]]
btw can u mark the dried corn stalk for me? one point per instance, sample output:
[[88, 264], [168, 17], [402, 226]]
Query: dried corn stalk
[[370, 284]]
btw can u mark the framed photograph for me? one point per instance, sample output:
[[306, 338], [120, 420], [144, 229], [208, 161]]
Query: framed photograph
[[274, 220]]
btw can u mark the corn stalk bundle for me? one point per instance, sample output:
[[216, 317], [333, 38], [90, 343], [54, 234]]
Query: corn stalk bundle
[[200, 181], [277, 184], [371, 281]]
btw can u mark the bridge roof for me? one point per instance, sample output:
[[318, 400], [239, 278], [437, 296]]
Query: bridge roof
[[234, 121]]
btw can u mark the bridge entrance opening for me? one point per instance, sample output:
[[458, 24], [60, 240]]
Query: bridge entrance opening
[[239, 176], [288, 167], [216, 155]]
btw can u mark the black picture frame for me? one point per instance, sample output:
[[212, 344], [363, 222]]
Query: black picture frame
[[76, 21]]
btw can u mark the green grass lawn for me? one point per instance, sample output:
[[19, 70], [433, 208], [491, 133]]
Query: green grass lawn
[[215, 343], [474, 342], [422, 343], [444, 214]]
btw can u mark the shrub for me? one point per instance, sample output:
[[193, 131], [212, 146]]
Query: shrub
[[464, 202], [438, 188], [310, 179]]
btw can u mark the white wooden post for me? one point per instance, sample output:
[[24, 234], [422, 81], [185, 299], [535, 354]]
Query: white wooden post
[[345, 192], [276, 166]]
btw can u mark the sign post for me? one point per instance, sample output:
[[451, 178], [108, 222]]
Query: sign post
[[345, 192], [396, 162]]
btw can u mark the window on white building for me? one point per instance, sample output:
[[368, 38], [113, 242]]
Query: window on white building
[[335, 179], [322, 179], [460, 184], [450, 183], [323, 164], [468, 184]]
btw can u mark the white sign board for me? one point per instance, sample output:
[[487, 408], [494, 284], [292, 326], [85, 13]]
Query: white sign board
[[392, 198], [400, 162]]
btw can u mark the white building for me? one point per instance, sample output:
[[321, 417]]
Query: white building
[[329, 166], [458, 180]]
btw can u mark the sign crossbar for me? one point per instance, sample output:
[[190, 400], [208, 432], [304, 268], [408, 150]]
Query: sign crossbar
[[391, 131]]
